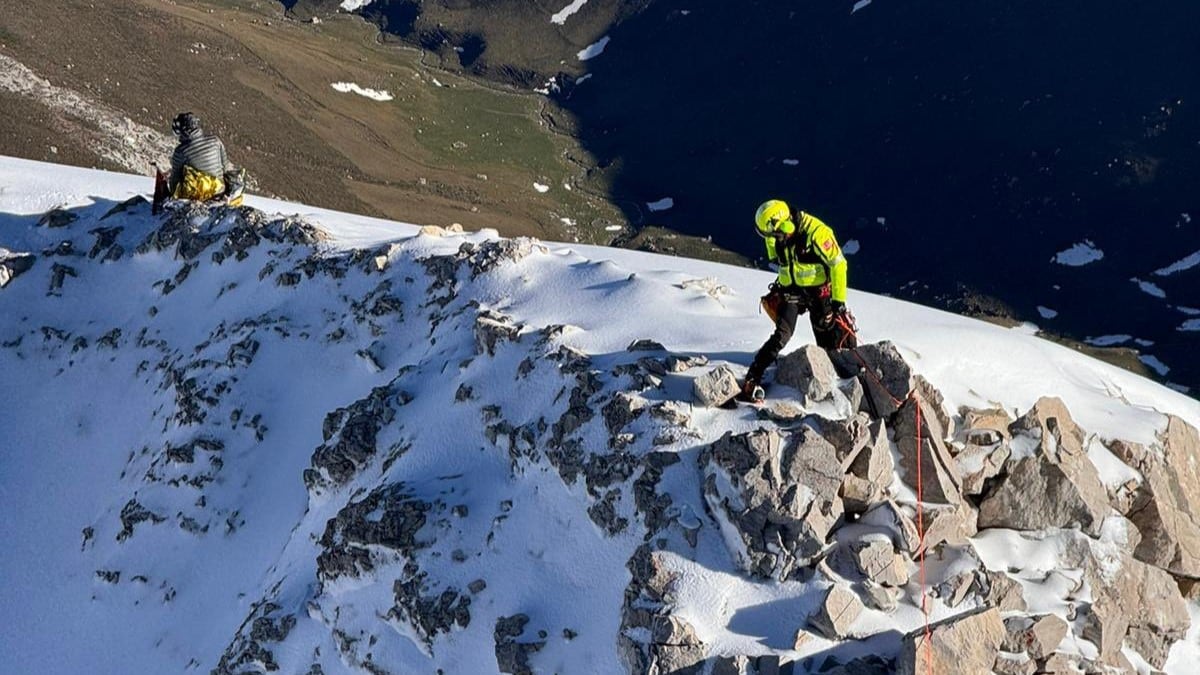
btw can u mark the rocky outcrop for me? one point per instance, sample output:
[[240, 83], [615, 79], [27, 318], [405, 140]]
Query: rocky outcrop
[[715, 387], [809, 370], [1166, 506], [390, 518], [885, 376], [13, 265], [940, 475], [1055, 486], [350, 436], [780, 496], [512, 654], [966, 643]]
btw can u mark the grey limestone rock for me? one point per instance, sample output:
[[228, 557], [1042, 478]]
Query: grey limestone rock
[[965, 643], [809, 370], [1057, 486], [939, 471], [836, 614], [512, 655], [715, 387], [13, 265], [780, 495], [390, 517], [885, 376]]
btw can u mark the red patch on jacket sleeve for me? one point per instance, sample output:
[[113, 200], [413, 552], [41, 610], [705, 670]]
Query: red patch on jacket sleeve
[[828, 244]]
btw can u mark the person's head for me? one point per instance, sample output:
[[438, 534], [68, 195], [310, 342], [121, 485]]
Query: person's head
[[185, 124], [773, 220]]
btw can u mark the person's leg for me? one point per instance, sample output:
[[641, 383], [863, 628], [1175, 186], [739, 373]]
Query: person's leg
[[823, 326], [789, 312]]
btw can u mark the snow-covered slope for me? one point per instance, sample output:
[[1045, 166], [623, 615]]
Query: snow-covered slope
[[328, 443]]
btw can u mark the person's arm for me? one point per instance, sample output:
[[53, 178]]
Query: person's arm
[[826, 246], [175, 177], [226, 167]]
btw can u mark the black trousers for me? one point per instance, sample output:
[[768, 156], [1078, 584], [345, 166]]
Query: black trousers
[[820, 316]]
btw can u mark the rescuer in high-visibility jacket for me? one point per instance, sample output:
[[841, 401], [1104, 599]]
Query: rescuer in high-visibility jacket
[[812, 278]]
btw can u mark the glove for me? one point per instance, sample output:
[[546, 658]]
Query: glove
[[839, 308]]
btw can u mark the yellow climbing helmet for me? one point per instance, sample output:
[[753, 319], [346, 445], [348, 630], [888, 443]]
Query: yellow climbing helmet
[[774, 219]]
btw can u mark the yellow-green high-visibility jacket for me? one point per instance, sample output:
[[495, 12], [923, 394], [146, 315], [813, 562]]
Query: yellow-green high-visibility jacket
[[810, 257]]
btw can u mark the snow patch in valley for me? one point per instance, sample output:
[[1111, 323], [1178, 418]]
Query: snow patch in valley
[[541, 187], [1083, 253], [352, 5], [1108, 340], [1190, 325], [352, 88], [1046, 312], [593, 50], [560, 17], [1155, 364], [861, 4]]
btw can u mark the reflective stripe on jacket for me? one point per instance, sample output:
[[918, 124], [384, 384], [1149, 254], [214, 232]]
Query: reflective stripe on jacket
[[810, 257]]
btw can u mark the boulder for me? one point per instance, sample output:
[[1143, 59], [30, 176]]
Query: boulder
[[13, 265], [1166, 506], [780, 498], [966, 643], [810, 371], [871, 471], [1014, 664], [940, 474], [1037, 636], [886, 377], [715, 387], [1132, 601], [1055, 486], [837, 613], [981, 462], [492, 328], [889, 517], [878, 562]]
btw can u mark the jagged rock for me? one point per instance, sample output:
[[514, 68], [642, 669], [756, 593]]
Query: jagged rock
[[57, 217], [863, 665], [1060, 664], [966, 643], [390, 517], [888, 517], [949, 524], [58, 274], [1166, 506], [1132, 601], [998, 590], [251, 648], [715, 387], [880, 598], [783, 501], [349, 437], [645, 345], [485, 257], [429, 613], [809, 370], [1058, 486], [837, 613], [978, 463], [939, 471], [512, 656], [132, 514], [849, 436], [13, 265], [885, 375], [1036, 636], [677, 363], [622, 410], [985, 427], [871, 472], [1014, 664], [878, 561], [491, 328]]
